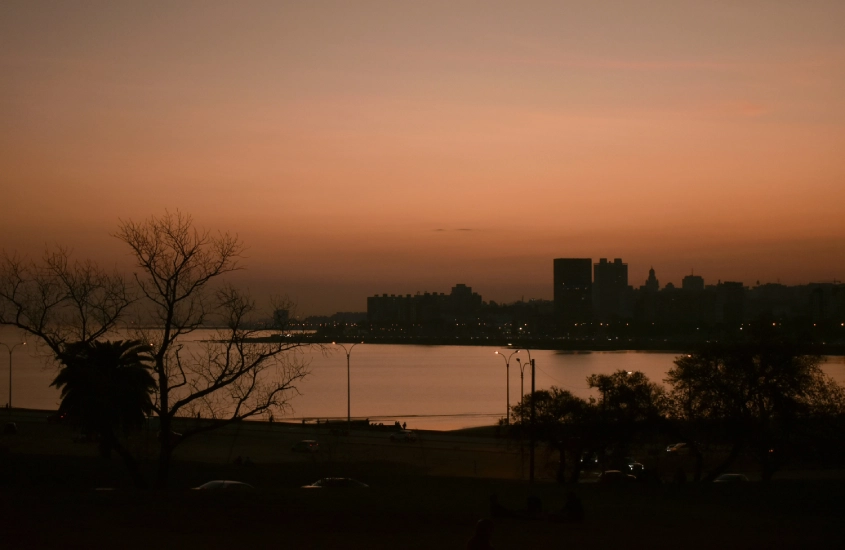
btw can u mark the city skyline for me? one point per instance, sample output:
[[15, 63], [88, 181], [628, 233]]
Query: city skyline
[[364, 148]]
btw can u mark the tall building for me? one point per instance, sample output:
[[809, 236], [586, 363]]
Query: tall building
[[610, 281], [693, 282], [573, 289], [651, 284]]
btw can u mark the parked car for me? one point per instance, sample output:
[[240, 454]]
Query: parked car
[[678, 448], [635, 468], [589, 459], [306, 446], [406, 436], [730, 478], [336, 483], [224, 485], [615, 476]]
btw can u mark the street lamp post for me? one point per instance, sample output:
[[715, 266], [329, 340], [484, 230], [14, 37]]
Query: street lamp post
[[533, 435], [533, 412], [508, 383], [522, 367], [11, 350], [348, 383]]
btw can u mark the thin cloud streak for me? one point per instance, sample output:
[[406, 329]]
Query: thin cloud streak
[[599, 63]]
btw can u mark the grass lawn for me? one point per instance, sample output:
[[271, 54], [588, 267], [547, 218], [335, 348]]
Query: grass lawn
[[48, 500]]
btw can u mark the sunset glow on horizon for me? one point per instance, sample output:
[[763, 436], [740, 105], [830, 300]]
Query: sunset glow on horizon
[[361, 148]]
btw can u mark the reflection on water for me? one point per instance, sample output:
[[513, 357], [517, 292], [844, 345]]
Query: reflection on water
[[429, 387]]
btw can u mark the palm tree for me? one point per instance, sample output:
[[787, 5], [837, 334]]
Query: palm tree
[[107, 388]]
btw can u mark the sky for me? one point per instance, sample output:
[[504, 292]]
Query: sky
[[368, 147]]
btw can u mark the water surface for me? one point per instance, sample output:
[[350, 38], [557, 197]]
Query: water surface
[[429, 387]]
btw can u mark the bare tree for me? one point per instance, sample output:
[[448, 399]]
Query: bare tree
[[60, 301], [235, 374]]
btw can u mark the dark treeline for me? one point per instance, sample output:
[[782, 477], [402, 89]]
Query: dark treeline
[[763, 399]]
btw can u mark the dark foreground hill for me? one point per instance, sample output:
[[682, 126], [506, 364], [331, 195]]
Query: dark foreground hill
[[51, 497]]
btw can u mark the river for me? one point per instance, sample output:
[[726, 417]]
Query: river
[[429, 387]]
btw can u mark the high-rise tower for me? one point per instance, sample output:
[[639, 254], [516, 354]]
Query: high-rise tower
[[610, 283], [573, 289]]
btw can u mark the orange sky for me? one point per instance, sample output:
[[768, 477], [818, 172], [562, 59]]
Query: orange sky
[[367, 147]]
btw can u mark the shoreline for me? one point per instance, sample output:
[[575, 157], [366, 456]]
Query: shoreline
[[574, 346], [334, 424]]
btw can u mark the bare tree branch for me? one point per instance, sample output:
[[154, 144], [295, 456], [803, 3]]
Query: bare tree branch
[[235, 375], [60, 301]]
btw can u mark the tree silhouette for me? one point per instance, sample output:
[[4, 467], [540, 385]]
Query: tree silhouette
[[59, 300], [629, 405], [629, 397], [756, 394], [565, 422], [238, 372], [106, 389]]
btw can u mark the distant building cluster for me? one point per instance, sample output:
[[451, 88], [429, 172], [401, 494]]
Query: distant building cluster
[[426, 308], [594, 301], [605, 296], [585, 292]]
